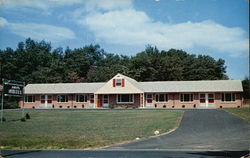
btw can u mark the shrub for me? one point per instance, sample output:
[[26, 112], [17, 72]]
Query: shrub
[[164, 106], [27, 116], [23, 119]]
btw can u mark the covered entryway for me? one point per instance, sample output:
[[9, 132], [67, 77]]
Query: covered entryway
[[207, 100], [46, 101]]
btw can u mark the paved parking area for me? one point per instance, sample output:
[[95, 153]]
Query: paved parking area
[[202, 129], [119, 154]]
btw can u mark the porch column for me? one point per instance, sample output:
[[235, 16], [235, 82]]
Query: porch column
[[95, 100], [143, 98]]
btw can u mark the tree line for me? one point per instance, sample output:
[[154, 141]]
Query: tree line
[[37, 62]]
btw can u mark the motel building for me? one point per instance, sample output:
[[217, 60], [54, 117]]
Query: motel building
[[124, 92]]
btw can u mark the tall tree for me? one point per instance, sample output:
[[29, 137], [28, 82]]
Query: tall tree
[[246, 88]]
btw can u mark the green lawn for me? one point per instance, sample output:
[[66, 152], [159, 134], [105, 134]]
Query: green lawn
[[78, 129], [243, 113]]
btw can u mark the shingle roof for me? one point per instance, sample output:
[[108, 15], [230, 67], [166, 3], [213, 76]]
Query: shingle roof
[[134, 82], [62, 88], [193, 86], [157, 86]]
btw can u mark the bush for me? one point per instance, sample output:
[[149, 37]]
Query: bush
[[27, 116], [23, 119]]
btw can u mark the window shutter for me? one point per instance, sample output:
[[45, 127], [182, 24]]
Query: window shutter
[[113, 82], [123, 82]]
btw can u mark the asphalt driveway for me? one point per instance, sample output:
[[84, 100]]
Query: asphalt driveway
[[209, 129]]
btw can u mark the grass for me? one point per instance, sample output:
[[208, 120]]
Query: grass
[[243, 113], [79, 129]]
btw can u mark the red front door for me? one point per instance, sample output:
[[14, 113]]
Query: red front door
[[99, 101]]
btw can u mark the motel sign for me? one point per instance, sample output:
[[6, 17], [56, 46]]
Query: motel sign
[[14, 89]]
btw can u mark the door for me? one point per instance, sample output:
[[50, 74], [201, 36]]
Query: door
[[99, 104], [105, 100], [149, 100], [49, 101], [42, 101], [207, 100], [46, 101], [92, 101]]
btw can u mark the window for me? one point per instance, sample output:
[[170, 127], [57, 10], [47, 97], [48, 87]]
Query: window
[[81, 98], [210, 98], [105, 99], [42, 99], [161, 97], [202, 98], [118, 82], [62, 98], [187, 97], [125, 98], [29, 99], [228, 97], [49, 99], [92, 99]]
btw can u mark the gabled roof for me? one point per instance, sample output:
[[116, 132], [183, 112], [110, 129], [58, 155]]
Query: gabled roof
[[131, 86], [62, 88], [193, 86]]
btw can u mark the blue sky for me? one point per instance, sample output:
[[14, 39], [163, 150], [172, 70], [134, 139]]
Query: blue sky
[[218, 28]]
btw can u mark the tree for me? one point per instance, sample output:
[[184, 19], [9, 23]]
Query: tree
[[246, 88]]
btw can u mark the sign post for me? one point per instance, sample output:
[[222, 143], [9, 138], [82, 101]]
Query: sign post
[[2, 88], [12, 88]]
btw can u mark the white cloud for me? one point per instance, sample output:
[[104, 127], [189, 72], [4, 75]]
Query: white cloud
[[42, 31], [108, 4], [131, 27], [3, 22], [89, 4], [41, 4], [25, 3], [117, 22], [38, 31]]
